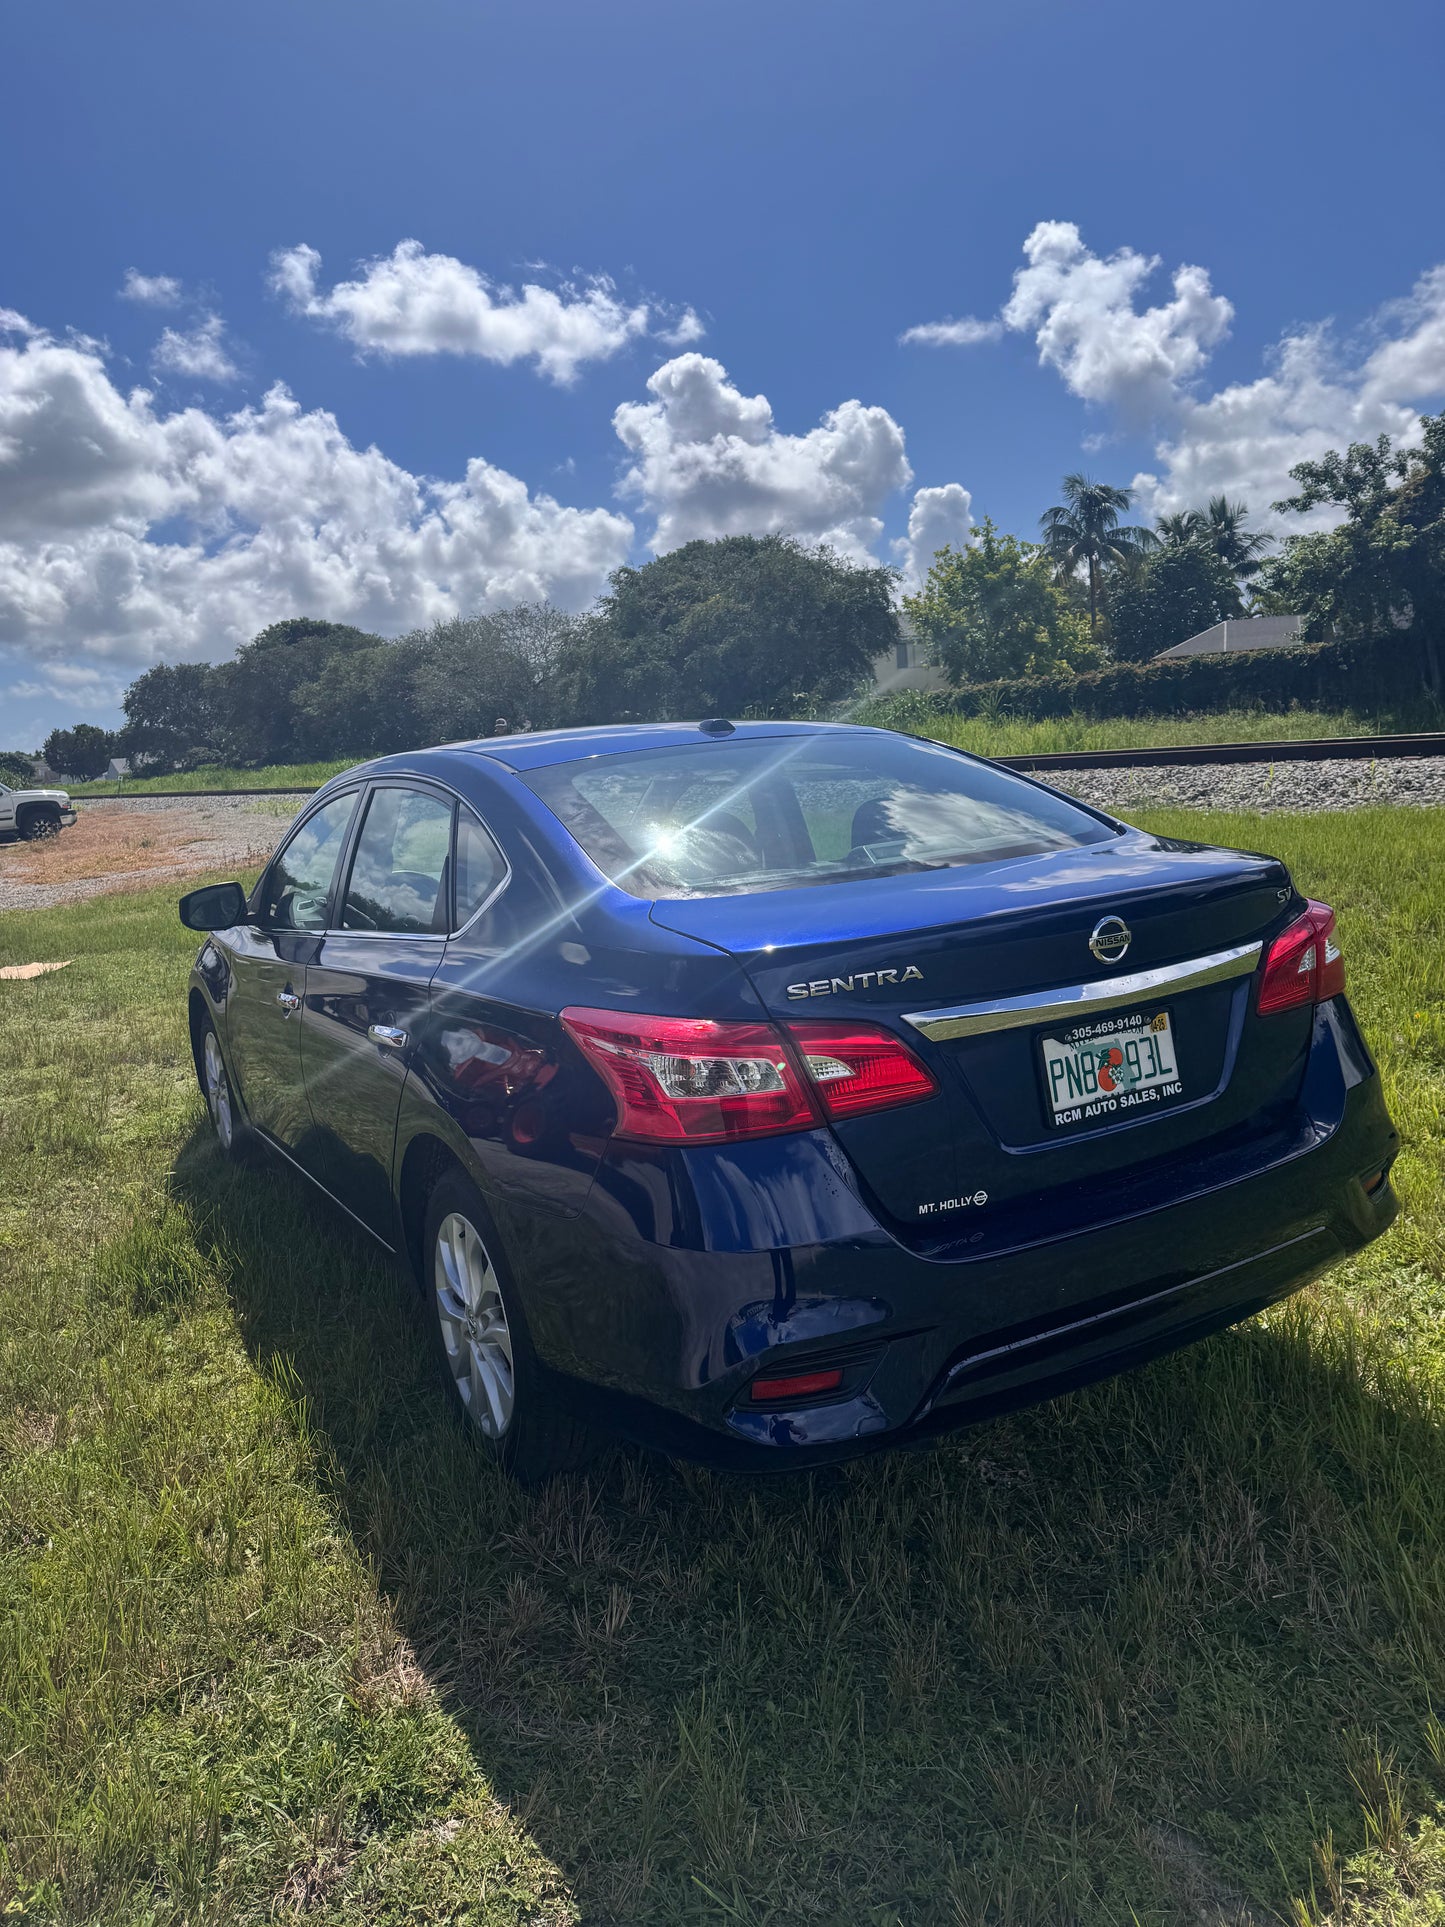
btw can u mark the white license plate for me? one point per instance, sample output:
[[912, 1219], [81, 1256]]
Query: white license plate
[[1111, 1068]]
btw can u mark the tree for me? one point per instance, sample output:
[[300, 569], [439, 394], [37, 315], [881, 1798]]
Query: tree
[[742, 624], [997, 608], [1240, 549], [82, 752], [255, 696], [1084, 532], [1175, 593], [170, 715], [1382, 569], [435, 685], [1177, 530]]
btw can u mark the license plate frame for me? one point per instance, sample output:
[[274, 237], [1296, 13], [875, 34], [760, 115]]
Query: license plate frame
[[1088, 1103]]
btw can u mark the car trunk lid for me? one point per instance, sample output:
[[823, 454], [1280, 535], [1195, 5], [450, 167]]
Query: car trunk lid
[[913, 945]]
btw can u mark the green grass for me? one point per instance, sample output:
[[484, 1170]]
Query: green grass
[[274, 1639], [216, 776], [1010, 736]]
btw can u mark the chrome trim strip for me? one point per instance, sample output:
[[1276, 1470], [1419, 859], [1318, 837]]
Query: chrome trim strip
[[1076, 1000]]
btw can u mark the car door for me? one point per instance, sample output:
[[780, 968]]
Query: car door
[[367, 990], [7, 810], [269, 956]]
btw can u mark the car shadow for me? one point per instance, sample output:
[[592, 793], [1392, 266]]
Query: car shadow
[[1138, 1648]]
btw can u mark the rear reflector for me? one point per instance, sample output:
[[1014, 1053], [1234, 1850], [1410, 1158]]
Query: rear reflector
[[687, 1080], [800, 1385], [859, 1067], [1303, 965]]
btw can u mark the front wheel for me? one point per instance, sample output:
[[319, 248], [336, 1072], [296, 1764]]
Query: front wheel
[[39, 825], [232, 1132], [480, 1337]]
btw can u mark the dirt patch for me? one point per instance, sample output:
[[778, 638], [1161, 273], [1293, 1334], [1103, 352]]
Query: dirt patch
[[121, 847], [32, 969]]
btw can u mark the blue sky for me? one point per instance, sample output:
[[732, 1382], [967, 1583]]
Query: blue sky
[[779, 191]]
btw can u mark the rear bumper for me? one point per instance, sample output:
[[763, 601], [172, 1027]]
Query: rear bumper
[[671, 1309]]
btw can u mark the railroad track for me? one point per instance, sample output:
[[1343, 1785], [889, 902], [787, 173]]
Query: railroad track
[[1318, 749]]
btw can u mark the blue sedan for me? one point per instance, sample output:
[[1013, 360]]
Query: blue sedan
[[771, 1092]]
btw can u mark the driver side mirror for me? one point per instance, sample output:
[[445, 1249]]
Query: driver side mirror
[[218, 906]]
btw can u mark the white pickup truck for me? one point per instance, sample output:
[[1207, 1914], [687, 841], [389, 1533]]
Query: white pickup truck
[[34, 813]]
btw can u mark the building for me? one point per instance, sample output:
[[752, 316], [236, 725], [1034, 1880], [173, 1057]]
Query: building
[[906, 666], [1225, 638], [116, 768]]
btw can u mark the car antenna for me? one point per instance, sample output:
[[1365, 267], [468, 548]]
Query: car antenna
[[716, 726]]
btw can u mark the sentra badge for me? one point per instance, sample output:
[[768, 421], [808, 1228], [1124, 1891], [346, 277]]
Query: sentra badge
[[860, 980]]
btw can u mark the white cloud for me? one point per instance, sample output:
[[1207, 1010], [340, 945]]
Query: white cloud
[[1145, 364], [132, 534], [151, 290], [414, 303], [963, 333], [199, 353], [939, 518], [707, 460], [1080, 308], [1318, 395]]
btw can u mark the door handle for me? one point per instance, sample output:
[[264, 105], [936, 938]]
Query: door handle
[[288, 1000], [387, 1034]]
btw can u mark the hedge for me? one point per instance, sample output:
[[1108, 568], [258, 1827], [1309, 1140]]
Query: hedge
[[1394, 672]]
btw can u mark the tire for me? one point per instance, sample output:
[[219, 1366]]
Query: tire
[[36, 825], [483, 1348], [233, 1134]]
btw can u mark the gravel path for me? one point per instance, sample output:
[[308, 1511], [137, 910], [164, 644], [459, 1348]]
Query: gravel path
[[131, 843]]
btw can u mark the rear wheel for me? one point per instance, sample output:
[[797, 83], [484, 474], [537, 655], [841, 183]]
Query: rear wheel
[[482, 1344], [36, 825]]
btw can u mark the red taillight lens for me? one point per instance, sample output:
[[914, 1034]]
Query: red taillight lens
[[1303, 965], [688, 1080], [800, 1385], [859, 1067]]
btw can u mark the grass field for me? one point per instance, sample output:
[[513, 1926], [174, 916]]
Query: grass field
[[217, 776], [275, 1643], [986, 736], [1010, 736]]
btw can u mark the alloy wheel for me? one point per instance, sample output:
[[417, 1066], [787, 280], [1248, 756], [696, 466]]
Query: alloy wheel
[[474, 1329], [218, 1091]]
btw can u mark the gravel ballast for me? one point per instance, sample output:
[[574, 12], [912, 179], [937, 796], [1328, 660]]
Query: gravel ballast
[[1304, 788]]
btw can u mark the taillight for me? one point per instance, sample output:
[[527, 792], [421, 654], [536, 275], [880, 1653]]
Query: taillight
[[688, 1080], [691, 1081], [1303, 965], [859, 1067]]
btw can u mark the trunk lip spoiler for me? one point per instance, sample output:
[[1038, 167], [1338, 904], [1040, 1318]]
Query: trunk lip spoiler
[[1073, 1000]]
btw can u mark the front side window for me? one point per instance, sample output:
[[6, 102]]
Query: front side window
[[782, 812], [398, 876], [297, 886]]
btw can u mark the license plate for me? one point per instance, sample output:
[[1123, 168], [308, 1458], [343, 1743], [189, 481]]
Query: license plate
[[1110, 1069]]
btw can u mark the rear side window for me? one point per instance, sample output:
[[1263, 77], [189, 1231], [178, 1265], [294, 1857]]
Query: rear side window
[[480, 866], [777, 813], [298, 883], [398, 876]]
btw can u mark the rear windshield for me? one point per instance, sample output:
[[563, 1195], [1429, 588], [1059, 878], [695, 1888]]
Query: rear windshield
[[778, 813]]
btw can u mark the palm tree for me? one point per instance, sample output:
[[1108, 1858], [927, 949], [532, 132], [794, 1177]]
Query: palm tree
[[1241, 550], [1084, 532], [1177, 531]]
